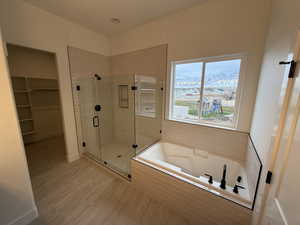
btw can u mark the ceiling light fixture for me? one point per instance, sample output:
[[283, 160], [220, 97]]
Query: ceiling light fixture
[[115, 20]]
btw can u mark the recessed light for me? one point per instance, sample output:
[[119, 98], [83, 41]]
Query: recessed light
[[115, 20]]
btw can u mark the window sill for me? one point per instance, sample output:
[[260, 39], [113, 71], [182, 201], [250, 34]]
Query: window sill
[[207, 125]]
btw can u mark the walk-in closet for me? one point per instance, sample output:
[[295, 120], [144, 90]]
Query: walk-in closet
[[34, 79]]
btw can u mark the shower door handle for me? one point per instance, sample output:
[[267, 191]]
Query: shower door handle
[[96, 121]]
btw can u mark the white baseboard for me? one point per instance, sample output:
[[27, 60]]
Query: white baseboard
[[26, 218], [73, 157]]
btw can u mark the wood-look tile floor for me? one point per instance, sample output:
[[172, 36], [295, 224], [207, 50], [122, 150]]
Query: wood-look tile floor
[[82, 193]]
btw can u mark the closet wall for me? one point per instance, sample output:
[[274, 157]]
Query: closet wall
[[34, 78]]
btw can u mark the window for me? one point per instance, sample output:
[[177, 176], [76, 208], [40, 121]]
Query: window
[[206, 91]]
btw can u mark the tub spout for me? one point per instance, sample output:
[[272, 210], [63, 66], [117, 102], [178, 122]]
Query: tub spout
[[223, 181]]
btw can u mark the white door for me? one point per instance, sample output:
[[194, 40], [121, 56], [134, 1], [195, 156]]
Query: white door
[[282, 206]]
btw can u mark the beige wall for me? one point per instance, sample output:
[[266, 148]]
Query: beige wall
[[226, 143], [209, 29], [85, 63], [280, 42], [29, 26], [149, 61], [31, 62], [17, 203]]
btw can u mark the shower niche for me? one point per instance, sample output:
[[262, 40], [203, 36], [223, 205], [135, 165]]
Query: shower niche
[[117, 117]]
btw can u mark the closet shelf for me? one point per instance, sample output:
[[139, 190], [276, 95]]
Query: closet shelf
[[23, 106], [21, 91], [28, 133], [33, 96], [25, 120], [44, 89], [46, 107], [36, 89]]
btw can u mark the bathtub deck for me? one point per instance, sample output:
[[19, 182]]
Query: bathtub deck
[[190, 165], [197, 205]]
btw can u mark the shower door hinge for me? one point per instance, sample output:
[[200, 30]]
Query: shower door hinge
[[134, 145], [83, 144], [293, 63], [97, 77], [78, 87], [134, 88], [269, 177]]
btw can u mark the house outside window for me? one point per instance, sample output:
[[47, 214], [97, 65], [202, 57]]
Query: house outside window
[[206, 91]]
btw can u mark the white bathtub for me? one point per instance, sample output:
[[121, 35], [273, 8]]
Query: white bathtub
[[192, 164]]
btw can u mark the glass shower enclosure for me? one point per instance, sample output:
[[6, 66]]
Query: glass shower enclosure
[[117, 117]]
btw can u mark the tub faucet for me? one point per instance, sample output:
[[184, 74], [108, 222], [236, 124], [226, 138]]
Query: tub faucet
[[223, 181], [236, 188]]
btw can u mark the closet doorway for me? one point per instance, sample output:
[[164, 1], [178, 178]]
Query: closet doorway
[[34, 78]]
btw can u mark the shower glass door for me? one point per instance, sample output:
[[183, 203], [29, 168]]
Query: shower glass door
[[117, 133], [117, 117], [88, 105]]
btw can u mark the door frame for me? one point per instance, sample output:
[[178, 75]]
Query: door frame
[[59, 85], [275, 150]]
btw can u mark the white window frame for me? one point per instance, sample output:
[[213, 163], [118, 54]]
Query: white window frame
[[205, 60]]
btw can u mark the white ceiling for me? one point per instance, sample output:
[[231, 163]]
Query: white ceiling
[[96, 14]]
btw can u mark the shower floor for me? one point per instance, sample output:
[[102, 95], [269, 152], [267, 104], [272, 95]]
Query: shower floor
[[117, 156]]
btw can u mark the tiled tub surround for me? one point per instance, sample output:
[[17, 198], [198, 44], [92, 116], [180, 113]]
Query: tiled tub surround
[[179, 172]]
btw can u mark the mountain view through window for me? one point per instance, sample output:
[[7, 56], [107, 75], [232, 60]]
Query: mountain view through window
[[206, 92]]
